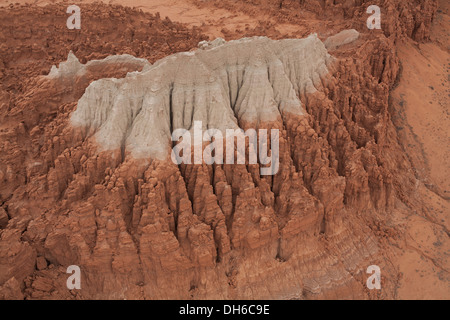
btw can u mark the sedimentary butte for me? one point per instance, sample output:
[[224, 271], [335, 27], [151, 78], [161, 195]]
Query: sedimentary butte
[[247, 82]]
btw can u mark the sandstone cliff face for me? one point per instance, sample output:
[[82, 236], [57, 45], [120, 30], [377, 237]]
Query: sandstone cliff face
[[140, 226]]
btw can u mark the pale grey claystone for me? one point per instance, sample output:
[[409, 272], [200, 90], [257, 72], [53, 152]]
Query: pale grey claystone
[[223, 83]]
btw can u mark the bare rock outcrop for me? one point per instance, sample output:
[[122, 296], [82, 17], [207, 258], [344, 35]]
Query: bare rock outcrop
[[85, 178], [135, 220]]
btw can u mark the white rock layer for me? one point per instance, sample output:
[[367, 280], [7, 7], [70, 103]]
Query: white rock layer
[[221, 84], [339, 39]]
